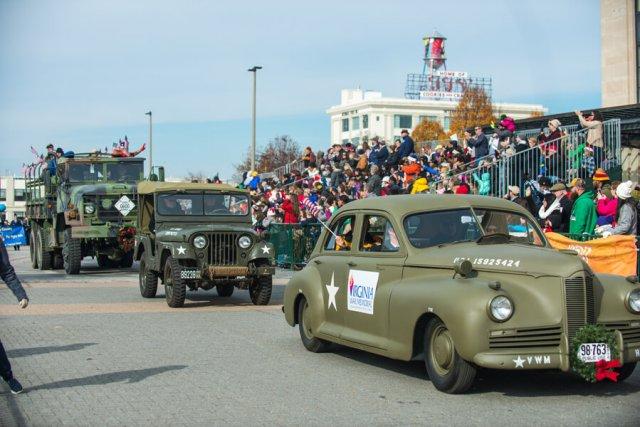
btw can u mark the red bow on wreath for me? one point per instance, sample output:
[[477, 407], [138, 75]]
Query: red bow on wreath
[[604, 370]]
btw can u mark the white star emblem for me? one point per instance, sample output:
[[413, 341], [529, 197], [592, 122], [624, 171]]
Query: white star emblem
[[519, 362], [182, 250], [265, 249], [332, 290]]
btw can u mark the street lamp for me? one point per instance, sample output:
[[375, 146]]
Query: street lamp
[[253, 70], [148, 113]]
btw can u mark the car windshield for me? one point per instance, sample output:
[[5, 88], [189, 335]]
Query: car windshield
[[85, 172], [202, 204], [427, 229], [125, 172]]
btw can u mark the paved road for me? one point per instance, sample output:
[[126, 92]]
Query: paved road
[[91, 351]]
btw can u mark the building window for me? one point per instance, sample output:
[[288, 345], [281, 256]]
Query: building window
[[3, 194], [402, 121], [355, 123], [430, 118], [345, 125], [447, 123], [365, 121], [18, 195], [377, 118]]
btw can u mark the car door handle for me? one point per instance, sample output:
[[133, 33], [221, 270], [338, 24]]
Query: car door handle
[[351, 264], [317, 261]]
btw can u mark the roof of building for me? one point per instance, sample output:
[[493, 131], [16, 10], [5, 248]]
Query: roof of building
[[147, 187]]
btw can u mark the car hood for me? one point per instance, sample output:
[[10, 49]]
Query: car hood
[[507, 257]]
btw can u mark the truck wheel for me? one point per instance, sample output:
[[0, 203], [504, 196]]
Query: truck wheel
[[45, 258], [127, 260], [33, 248], [225, 290], [175, 289], [448, 372], [58, 262], [625, 371], [148, 280], [260, 290], [310, 342], [71, 253]]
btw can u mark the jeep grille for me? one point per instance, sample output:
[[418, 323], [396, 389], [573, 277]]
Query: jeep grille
[[223, 249], [580, 303]]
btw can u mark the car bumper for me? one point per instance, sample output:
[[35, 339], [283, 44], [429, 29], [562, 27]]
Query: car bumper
[[214, 271]]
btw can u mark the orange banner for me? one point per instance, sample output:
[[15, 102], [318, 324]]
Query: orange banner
[[613, 254]]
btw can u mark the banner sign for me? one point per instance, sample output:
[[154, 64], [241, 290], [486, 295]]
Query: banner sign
[[454, 74], [430, 94], [13, 235], [612, 255]]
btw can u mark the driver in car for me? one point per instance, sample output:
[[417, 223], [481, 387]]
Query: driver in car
[[215, 205]]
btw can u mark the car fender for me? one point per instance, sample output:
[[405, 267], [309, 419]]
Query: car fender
[[305, 283], [611, 292], [460, 303]]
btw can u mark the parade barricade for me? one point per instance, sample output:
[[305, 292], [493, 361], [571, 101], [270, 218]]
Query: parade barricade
[[612, 255], [14, 235], [293, 243]]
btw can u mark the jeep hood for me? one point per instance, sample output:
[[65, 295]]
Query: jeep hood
[[181, 232]]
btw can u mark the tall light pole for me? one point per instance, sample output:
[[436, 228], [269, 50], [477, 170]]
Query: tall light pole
[[253, 70], [148, 113]]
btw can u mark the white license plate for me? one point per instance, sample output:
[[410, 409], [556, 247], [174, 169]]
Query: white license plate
[[189, 274], [592, 352]]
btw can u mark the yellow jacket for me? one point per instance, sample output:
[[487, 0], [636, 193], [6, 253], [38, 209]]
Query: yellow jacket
[[419, 186]]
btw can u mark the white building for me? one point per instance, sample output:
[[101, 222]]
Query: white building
[[367, 113], [12, 195]]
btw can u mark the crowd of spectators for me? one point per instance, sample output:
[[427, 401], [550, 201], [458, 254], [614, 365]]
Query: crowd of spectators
[[326, 180]]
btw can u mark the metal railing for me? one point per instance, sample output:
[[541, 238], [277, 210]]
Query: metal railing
[[561, 159], [288, 168]]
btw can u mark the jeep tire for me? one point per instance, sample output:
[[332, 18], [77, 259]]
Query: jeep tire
[[225, 290], [448, 372], [148, 280], [260, 290], [71, 253], [175, 290]]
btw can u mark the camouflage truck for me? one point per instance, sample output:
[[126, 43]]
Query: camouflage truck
[[85, 207]]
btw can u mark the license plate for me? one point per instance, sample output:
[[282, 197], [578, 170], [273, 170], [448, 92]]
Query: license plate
[[189, 274], [592, 352]]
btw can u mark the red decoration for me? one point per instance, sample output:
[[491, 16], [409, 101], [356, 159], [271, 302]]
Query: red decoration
[[604, 370], [126, 238]]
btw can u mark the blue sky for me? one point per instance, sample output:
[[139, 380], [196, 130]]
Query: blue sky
[[81, 74]]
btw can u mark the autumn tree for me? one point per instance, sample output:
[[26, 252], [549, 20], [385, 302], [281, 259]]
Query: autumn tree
[[428, 130], [280, 151], [474, 109]]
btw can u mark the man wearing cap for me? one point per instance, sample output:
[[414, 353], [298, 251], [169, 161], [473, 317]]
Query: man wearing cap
[[513, 194], [480, 143], [406, 147], [583, 213], [627, 223], [563, 205]]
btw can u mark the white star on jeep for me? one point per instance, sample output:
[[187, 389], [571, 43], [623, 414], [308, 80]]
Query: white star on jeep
[[519, 362], [265, 249], [332, 290], [182, 250]]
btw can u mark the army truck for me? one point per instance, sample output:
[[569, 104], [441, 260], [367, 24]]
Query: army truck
[[83, 207], [194, 235]]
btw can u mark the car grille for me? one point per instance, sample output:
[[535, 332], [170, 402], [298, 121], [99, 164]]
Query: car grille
[[579, 302], [530, 337], [223, 249], [630, 334]]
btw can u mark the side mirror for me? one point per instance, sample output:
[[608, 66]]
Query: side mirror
[[463, 267]]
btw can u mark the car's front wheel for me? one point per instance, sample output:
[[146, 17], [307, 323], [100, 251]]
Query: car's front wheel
[[448, 371], [309, 340], [626, 370], [260, 290], [175, 290]]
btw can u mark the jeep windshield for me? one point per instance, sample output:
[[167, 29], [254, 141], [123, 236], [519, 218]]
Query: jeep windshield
[[125, 172], [438, 228], [202, 204]]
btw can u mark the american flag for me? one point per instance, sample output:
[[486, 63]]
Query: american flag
[[311, 207]]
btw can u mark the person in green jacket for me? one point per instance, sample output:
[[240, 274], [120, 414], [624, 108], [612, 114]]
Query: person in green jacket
[[583, 214]]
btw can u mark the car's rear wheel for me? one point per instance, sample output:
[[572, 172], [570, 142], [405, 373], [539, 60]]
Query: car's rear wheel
[[625, 371], [447, 370], [175, 290], [225, 290], [309, 340], [148, 280], [260, 290]]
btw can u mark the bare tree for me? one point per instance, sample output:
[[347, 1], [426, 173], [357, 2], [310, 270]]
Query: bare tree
[[280, 151]]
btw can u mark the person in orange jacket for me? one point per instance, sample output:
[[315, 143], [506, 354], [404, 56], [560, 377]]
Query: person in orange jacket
[[411, 168]]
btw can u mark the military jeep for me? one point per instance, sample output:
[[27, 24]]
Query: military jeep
[[193, 235]]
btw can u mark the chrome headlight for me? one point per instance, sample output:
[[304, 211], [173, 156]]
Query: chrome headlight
[[500, 308], [244, 242], [633, 301], [89, 209], [200, 242]]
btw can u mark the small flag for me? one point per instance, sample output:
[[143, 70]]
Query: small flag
[[311, 207]]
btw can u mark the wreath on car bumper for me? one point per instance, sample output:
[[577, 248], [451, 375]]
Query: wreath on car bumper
[[601, 369]]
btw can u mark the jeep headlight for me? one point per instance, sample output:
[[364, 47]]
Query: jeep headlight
[[500, 308], [244, 242], [200, 242], [89, 208], [633, 301]]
